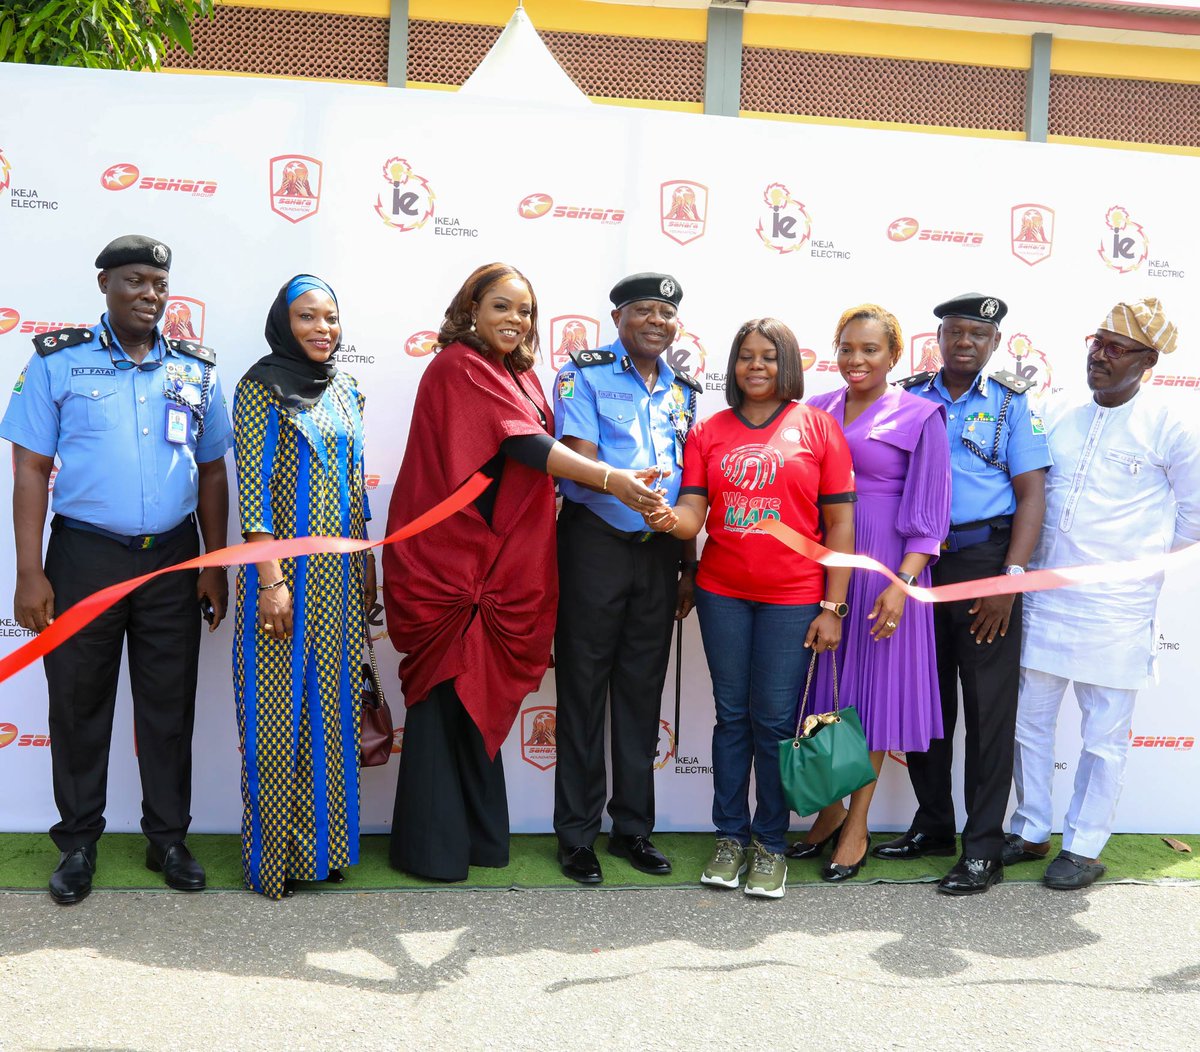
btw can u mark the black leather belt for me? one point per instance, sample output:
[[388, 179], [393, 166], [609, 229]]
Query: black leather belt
[[970, 534], [633, 536], [140, 542]]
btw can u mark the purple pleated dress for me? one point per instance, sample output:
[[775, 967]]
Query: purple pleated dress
[[902, 477]]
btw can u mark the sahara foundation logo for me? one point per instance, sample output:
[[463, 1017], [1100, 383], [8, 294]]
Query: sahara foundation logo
[[539, 736], [664, 752], [410, 198], [683, 206], [1032, 229], [421, 344], [9, 320], [535, 206], [924, 353], [787, 225], [906, 228], [184, 319], [126, 176], [1128, 247], [8, 734], [295, 185], [1030, 364], [687, 355], [571, 332]]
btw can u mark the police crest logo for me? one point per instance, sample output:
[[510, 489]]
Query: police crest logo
[[408, 203], [1126, 246], [295, 186], [924, 353], [989, 308], [787, 226], [119, 176], [184, 319], [420, 344], [1032, 232], [539, 736], [684, 210], [664, 752], [571, 332], [9, 320]]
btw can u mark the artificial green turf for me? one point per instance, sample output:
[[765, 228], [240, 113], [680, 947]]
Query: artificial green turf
[[26, 860]]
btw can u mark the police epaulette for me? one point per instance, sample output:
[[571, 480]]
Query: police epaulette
[[194, 349], [690, 381], [915, 380], [1016, 384], [585, 358], [50, 342]]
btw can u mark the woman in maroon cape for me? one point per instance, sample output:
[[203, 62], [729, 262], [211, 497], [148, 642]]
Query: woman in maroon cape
[[470, 605]]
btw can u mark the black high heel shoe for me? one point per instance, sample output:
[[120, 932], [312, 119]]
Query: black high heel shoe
[[835, 873], [803, 849], [336, 876]]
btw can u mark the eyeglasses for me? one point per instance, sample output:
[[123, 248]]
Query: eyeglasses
[[128, 363], [1112, 351]]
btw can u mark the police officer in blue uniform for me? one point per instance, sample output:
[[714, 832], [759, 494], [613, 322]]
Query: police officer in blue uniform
[[140, 429], [998, 461], [621, 586]]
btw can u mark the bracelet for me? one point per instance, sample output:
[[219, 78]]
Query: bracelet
[[604, 484], [271, 587], [908, 578]]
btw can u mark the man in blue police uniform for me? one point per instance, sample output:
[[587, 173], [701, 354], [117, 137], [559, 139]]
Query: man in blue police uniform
[[621, 586], [998, 461], [140, 430]]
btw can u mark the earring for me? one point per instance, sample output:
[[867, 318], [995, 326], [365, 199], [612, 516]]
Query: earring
[[472, 324]]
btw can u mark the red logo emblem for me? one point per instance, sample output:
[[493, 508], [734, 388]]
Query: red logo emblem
[[925, 353], [410, 198], [571, 332], [1031, 364], [295, 187], [902, 229], [419, 344], [539, 736], [687, 354], [535, 206], [665, 752], [808, 358], [9, 319], [787, 226], [183, 319], [397, 741], [119, 177], [684, 210], [1129, 245], [1032, 233], [5, 172], [8, 734]]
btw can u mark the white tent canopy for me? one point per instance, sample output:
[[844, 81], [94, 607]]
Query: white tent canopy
[[519, 68]]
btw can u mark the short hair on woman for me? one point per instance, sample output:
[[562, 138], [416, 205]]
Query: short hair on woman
[[457, 324], [873, 312], [789, 375]]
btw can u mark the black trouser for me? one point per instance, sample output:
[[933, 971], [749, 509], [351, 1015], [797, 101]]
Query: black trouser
[[990, 673], [161, 621], [616, 608], [451, 804]]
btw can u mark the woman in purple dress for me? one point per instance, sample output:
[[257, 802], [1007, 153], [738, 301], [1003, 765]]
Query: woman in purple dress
[[902, 474]]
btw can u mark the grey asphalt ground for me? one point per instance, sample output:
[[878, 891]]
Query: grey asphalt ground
[[883, 966]]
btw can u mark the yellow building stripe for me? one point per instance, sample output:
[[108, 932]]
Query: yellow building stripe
[[573, 16], [362, 8], [1086, 58], [931, 129], [1113, 144], [270, 76]]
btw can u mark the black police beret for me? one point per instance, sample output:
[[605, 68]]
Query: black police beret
[[661, 287], [973, 305], [134, 248]]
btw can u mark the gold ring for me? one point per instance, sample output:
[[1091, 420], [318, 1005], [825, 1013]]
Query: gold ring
[[891, 624]]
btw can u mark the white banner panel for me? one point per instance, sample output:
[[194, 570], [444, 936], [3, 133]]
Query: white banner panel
[[395, 196]]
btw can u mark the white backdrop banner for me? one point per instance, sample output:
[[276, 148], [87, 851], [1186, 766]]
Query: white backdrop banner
[[395, 196]]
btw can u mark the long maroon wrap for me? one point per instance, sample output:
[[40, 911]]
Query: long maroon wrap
[[467, 602]]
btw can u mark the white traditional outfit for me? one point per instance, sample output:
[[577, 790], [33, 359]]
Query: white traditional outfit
[[1125, 484]]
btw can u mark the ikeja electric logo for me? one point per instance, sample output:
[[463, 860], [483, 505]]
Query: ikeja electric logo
[[1032, 232], [924, 353], [906, 227], [5, 172], [664, 752], [295, 186], [687, 354], [788, 225], [1031, 364], [683, 206], [535, 206], [1129, 245], [183, 319], [124, 176], [410, 200], [571, 332], [539, 736], [8, 734], [419, 344], [9, 320]]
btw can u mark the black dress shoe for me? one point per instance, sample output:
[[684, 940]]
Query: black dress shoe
[[642, 854], [1016, 849], [71, 882], [580, 864], [836, 873], [803, 849], [336, 876], [914, 845], [971, 876], [1070, 871], [175, 863]]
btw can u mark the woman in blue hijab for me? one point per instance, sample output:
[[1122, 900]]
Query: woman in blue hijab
[[298, 634]]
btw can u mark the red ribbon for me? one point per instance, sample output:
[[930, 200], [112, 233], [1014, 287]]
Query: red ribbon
[[1033, 581], [87, 610]]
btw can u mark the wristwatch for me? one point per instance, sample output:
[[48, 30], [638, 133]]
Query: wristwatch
[[1013, 570], [841, 609], [909, 579]]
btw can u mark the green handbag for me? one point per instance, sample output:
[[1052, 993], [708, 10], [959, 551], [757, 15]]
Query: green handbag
[[827, 758]]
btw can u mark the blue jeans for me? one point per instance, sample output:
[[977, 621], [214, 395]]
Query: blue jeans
[[757, 660]]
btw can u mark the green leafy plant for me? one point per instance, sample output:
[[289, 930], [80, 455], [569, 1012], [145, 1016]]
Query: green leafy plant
[[100, 34]]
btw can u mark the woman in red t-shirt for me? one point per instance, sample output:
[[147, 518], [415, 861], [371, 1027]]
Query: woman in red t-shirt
[[760, 604]]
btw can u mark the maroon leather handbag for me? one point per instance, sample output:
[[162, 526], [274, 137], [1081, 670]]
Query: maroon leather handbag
[[375, 745]]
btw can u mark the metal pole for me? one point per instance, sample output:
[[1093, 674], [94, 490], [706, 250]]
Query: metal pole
[[1037, 89], [397, 75]]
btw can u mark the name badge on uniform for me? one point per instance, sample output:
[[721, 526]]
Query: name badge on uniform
[[177, 425]]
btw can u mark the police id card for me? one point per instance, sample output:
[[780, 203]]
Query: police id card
[[177, 424]]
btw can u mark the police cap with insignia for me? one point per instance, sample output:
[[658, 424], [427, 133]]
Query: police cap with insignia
[[646, 286], [134, 248], [974, 306]]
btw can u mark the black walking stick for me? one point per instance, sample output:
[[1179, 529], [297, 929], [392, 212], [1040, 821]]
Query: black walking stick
[[678, 678]]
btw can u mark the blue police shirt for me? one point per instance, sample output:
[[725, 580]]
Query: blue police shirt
[[979, 490], [118, 469], [632, 427]]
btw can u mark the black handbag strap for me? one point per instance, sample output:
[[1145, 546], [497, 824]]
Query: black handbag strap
[[812, 668], [373, 668]]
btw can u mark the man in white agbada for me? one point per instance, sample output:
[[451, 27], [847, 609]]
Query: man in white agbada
[[1125, 484]]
